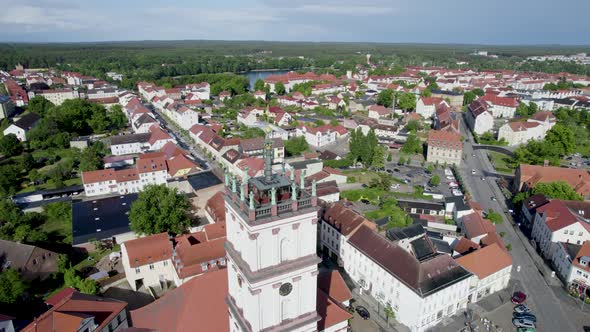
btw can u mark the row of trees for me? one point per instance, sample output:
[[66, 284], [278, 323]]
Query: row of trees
[[405, 101], [558, 142], [556, 190], [366, 149]]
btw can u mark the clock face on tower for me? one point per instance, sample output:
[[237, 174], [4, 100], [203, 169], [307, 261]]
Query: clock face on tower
[[286, 289]]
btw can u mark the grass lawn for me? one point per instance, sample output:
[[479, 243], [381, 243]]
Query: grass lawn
[[502, 163], [371, 194], [365, 176], [95, 257]]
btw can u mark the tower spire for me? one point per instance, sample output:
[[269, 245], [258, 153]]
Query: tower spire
[[268, 156]]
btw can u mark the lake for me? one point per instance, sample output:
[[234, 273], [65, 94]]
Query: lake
[[254, 75]]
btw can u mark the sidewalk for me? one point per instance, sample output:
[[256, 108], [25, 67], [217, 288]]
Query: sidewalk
[[373, 306]]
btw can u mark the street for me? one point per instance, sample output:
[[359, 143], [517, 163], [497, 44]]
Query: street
[[548, 309]]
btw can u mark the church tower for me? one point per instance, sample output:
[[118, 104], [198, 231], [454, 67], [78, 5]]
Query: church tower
[[271, 225]]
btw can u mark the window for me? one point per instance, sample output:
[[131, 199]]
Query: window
[[565, 232], [137, 270], [581, 233], [151, 266], [571, 232], [165, 263]]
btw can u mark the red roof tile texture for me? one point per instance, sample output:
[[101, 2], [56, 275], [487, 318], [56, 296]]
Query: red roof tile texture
[[486, 261]]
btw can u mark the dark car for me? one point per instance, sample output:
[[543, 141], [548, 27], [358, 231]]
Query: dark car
[[530, 317], [518, 297], [363, 312]]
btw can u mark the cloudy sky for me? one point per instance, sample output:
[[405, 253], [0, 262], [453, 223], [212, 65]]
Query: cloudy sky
[[415, 21]]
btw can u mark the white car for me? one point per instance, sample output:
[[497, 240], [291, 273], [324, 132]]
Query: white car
[[472, 171], [457, 192], [448, 172], [450, 177]]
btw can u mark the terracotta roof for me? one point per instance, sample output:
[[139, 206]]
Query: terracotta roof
[[151, 165], [255, 165], [465, 246], [67, 314], [60, 296], [381, 110], [199, 304], [180, 162], [486, 261], [544, 116], [170, 149], [343, 219], [197, 248], [578, 179], [157, 134], [331, 313], [332, 283], [215, 207], [584, 251], [501, 101], [445, 139], [98, 176], [558, 215], [474, 225], [149, 249], [522, 125], [124, 175], [491, 238], [431, 100]]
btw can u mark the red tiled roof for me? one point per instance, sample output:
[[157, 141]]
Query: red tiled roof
[[157, 134], [199, 304], [464, 246], [98, 176], [578, 179], [345, 220], [522, 125], [180, 162], [67, 314], [149, 249], [501, 101], [215, 207], [151, 164], [445, 139], [332, 283], [486, 261], [475, 225], [584, 251], [431, 100], [124, 175], [331, 313]]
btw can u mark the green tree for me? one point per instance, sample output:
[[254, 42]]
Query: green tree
[[494, 217], [10, 145], [412, 145], [478, 92], [430, 169], [280, 88], [555, 190], [91, 158], [12, 286], [385, 98], [159, 209], [39, 105], [296, 146], [389, 313], [401, 160], [389, 157], [86, 286], [562, 138], [413, 126], [116, 117], [435, 180], [9, 179], [378, 160], [407, 101], [259, 85], [468, 97]]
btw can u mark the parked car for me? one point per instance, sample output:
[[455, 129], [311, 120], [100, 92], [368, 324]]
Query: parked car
[[523, 323], [457, 192], [526, 316], [472, 171], [526, 329], [522, 309], [450, 177], [363, 312], [483, 178], [493, 198], [518, 297]]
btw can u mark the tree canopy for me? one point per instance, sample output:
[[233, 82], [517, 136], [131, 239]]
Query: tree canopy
[[159, 209], [296, 146], [10, 145], [556, 190], [412, 145], [385, 98], [362, 147], [407, 101], [12, 287], [280, 88]]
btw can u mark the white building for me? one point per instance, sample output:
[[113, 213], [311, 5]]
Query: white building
[[323, 135], [535, 128], [271, 251], [6, 107], [479, 118], [426, 106], [555, 222], [501, 107], [394, 277], [160, 261], [491, 267], [444, 147], [21, 127], [58, 96], [338, 223]]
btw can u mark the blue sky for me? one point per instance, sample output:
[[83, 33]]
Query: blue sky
[[398, 21]]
